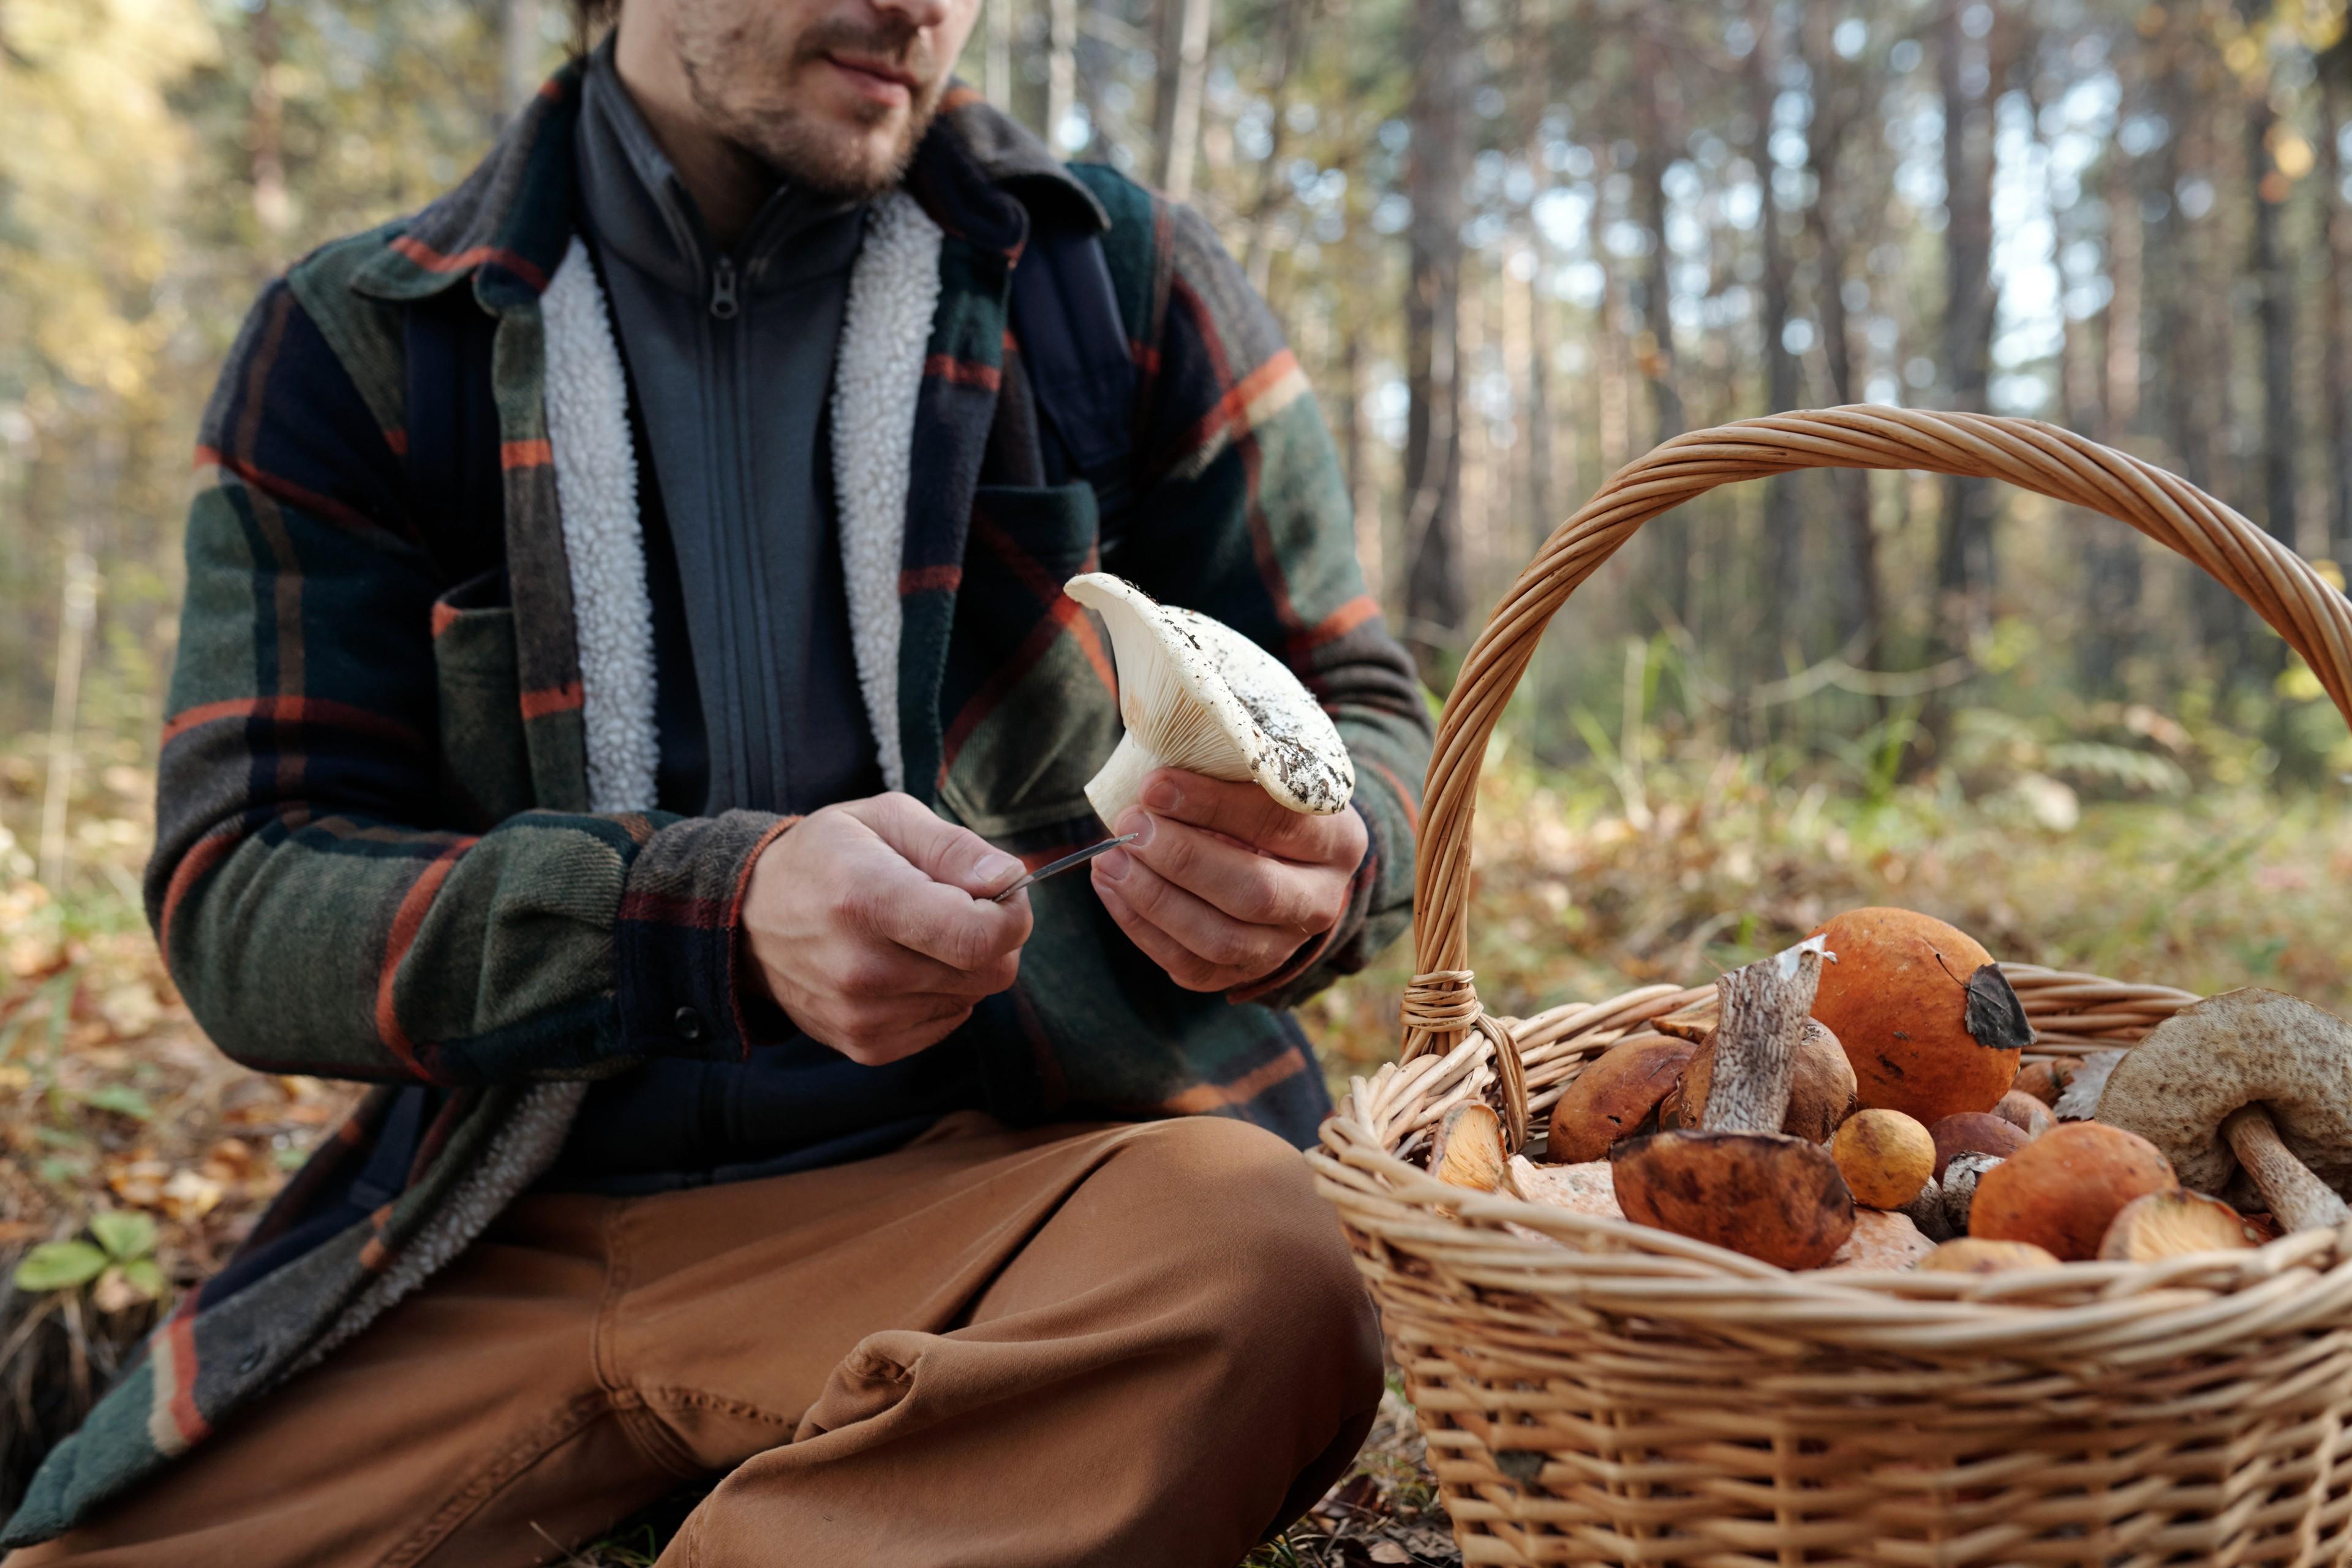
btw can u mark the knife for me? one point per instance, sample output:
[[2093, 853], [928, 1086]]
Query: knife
[[1056, 868]]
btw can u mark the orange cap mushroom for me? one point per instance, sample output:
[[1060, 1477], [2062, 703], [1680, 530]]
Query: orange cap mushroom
[[2062, 1190], [1930, 1025]]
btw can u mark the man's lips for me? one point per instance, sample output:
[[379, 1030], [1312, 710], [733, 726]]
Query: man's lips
[[877, 79]]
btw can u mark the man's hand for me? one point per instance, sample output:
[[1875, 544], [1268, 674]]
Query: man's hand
[[870, 923], [1226, 884]]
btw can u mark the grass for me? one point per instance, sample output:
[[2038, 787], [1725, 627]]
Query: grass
[[1655, 860]]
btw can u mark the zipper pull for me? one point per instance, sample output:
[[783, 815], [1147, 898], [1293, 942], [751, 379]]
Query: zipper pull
[[722, 290]]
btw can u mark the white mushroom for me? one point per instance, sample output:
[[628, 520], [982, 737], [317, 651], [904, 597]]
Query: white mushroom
[[1197, 695]]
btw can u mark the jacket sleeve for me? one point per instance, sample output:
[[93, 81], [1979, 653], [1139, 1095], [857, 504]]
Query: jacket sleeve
[[318, 905], [1241, 512]]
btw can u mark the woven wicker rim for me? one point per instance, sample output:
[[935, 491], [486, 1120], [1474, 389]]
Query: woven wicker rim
[[1454, 1050]]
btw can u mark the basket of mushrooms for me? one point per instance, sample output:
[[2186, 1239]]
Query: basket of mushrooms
[[1878, 1250]]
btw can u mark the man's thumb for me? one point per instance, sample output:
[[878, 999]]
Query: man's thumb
[[940, 849]]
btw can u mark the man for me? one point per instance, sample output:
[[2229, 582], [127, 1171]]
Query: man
[[624, 655]]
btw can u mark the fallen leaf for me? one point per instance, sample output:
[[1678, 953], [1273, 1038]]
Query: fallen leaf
[[1389, 1552], [188, 1196]]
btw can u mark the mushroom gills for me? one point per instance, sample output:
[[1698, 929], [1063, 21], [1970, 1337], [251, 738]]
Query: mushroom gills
[[1197, 695]]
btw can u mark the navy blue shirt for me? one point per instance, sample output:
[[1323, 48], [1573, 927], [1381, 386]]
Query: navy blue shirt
[[730, 356]]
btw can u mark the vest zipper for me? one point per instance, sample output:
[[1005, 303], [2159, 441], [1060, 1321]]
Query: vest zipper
[[722, 290]]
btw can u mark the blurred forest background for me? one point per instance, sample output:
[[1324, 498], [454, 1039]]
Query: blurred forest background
[[1516, 242]]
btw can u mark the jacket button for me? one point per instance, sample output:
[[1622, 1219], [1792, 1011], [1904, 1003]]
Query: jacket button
[[690, 1027]]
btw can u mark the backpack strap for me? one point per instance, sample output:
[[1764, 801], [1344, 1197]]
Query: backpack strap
[[1080, 373]]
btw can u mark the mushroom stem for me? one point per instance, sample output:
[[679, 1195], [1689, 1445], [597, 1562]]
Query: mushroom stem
[[2299, 1200], [1119, 785], [1763, 1010]]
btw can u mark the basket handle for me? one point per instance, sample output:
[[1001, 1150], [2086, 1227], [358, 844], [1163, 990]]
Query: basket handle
[[1440, 1006]]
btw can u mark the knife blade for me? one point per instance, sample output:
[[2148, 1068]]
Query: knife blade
[[1067, 862]]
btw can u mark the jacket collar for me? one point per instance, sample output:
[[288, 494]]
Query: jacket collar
[[978, 174]]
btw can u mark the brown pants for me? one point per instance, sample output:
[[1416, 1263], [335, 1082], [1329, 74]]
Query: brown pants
[[1128, 1345]]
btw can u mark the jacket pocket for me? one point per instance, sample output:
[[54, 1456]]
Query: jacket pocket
[[1029, 703], [484, 772]]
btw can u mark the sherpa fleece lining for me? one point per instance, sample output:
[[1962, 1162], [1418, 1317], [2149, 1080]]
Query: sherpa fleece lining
[[894, 291]]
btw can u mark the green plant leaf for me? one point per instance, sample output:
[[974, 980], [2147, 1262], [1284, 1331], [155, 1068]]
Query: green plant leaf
[[120, 1098], [59, 1265], [146, 1276], [126, 1234]]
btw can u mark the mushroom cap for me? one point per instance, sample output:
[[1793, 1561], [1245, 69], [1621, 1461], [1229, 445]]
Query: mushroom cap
[[2046, 1080], [2178, 1085], [1765, 1195], [1467, 1150], [2025, 1112], [2173, 1222], [1975, 1132], [1821, 1085], [1927, 1020], [1976, 1254], [1886, 1157], [2062, 1190], [1614, 1095], [1202, 696]]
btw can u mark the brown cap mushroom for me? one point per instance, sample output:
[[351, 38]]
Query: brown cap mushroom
[[1467, 1150], [1975, 1132], [1737, 1181], [1975, 1255], [2182, 1087], [2046, 1081], [1615, 1096], [1886, 1157], [2173, 1222], [1821, 1086], [2062, 1190], [2027, 1114]]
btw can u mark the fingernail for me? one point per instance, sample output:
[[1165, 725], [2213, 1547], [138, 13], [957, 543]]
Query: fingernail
[[998, 868], [1138, 823], [1114, 864], [1161, 794]]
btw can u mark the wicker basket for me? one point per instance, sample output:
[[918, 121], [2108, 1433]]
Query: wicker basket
[[1596, 1391]]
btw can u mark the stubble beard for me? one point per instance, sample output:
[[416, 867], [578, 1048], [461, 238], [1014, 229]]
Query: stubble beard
[[746, 92]]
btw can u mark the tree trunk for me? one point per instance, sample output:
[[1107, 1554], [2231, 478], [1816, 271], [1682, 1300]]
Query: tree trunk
[[2336, 366], [2274, 313], [273, 205], [1434, 602], [1670, 537], [1176, 105], [1834, 116], [518, 52], [1965, 73], [1290, 34], [996, 47], [1061, 67], [1784, 543], [2111, 553]]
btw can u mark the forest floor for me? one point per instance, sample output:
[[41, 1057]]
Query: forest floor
[[126, 1136]]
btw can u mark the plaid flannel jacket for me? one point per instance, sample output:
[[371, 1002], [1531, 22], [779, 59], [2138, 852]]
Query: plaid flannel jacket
[[375, 854]]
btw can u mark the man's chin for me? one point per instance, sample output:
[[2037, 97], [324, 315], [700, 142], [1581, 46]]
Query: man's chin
[[847, 160]]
